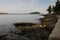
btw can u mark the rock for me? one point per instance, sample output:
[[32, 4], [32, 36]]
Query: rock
[[55, 35], [24, 24], [31, 34]]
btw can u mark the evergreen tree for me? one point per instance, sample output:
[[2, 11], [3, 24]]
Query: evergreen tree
[[49, 9], [53, 8], [57, 7]]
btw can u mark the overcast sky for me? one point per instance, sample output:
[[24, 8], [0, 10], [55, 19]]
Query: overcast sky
[[25, 6]]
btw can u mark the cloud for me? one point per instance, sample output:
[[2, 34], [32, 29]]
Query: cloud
[[24, 6]]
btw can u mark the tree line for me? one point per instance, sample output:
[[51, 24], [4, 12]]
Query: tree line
[[54, 9]]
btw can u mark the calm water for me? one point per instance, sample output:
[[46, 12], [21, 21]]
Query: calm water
[[6, 21]]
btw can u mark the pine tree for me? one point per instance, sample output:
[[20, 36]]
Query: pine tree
[[49, 9], [53, 8], [57, 7]]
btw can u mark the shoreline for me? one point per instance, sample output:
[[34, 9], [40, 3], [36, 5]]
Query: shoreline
[[44, 29]]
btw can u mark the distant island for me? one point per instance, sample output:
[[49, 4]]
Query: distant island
[[35, 13], [3, 13]]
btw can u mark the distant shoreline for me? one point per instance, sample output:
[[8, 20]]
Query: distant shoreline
[[35, 13], [3, 13], [15, 14]]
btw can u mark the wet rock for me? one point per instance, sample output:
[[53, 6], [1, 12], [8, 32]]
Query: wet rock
[[32, 34], [23, 24]]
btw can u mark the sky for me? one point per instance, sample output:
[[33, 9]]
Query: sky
[[25, 6]]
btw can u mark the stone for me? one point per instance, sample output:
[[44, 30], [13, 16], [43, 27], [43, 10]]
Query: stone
[[55, 35]]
